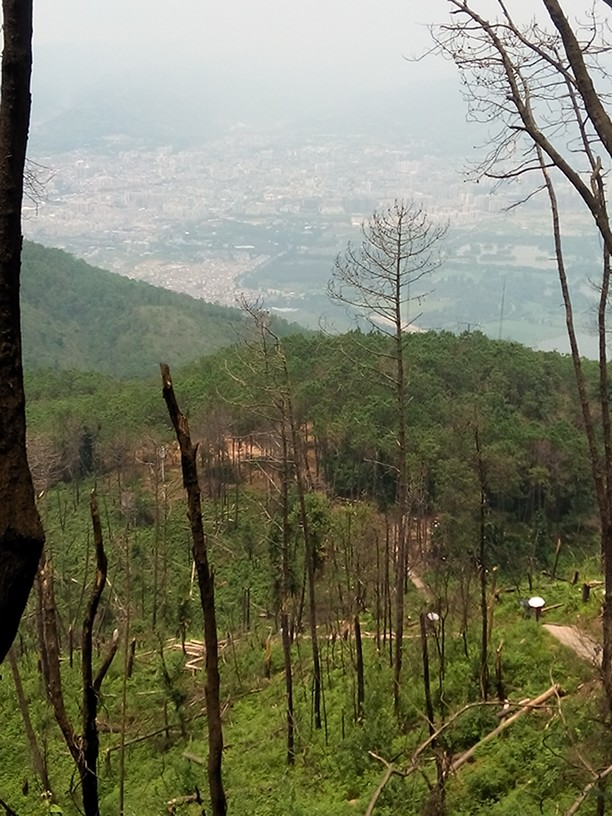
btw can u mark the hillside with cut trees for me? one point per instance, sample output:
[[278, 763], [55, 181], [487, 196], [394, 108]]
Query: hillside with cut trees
[[296, 452], [363, 573]]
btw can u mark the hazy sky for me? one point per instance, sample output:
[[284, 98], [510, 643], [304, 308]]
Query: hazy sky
[[352, 32], [320, 47], [348, 33]]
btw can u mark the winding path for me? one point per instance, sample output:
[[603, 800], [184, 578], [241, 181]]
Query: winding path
[[581, 643]]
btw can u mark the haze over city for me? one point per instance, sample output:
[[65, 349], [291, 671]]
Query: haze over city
[[216, 150]]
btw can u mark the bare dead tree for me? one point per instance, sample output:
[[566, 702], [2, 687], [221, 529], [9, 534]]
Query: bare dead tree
[[400, 246], [482, 569], [285, 595], [279, 411], [359, 671], [21, 533], [295, 458], [89, 742], [36, 755], [207, 594], [36, 176], [538, 88], [84, 746], [45, 461], [267, 402]]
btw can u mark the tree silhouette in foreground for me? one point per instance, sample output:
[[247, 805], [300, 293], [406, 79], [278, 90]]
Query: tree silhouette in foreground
[[21, 533]]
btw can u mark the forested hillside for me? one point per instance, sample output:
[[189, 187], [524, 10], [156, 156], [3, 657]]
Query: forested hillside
[[521, 401], [296, 449], [302, 574], [77, 316]]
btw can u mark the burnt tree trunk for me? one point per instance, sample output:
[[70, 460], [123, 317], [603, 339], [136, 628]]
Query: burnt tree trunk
[[301, 462], [90, 743], [21, 533], [482, 574], [436, 802], [84, 747], [429, 712], [50, 649], [36, 755], [207, 595], [359, 669], [284, 617]]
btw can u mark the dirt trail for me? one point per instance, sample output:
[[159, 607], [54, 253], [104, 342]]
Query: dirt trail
[[581, 643], [417, 582]]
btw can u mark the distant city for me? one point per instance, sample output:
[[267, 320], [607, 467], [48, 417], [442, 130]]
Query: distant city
[[263, 211], [156, 215]]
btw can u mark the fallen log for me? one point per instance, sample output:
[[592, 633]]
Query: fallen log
[[392, 770], [190, 798], [193, 758], [553, 691]]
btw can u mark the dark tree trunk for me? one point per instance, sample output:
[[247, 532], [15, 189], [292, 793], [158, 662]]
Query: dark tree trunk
[[499, 674], [402, 488], [37, 758], [482, 575], [50, 647], [316, 659], [359, 669], [436, 802], [574, 52], [285, 634], [309, 559], [21, 533], [601, 797], [84, 748], [90, 743], [429, 712], [286, 641], [400, 572], [207, 596], [606, 539]]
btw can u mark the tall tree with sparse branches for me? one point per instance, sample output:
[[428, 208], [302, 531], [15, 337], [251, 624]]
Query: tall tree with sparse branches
[[536, 85], [21, 533], [380, 278]]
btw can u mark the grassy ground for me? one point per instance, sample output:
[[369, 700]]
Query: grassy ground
[[533, 768]]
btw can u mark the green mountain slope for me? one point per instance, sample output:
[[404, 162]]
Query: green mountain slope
[[487, 419], [77, 316]]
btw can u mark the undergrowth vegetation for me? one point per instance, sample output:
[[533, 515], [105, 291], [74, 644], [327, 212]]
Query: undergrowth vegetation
[[533, 767], [296, 456]]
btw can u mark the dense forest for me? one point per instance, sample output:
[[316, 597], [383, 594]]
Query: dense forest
[[296, 452]]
